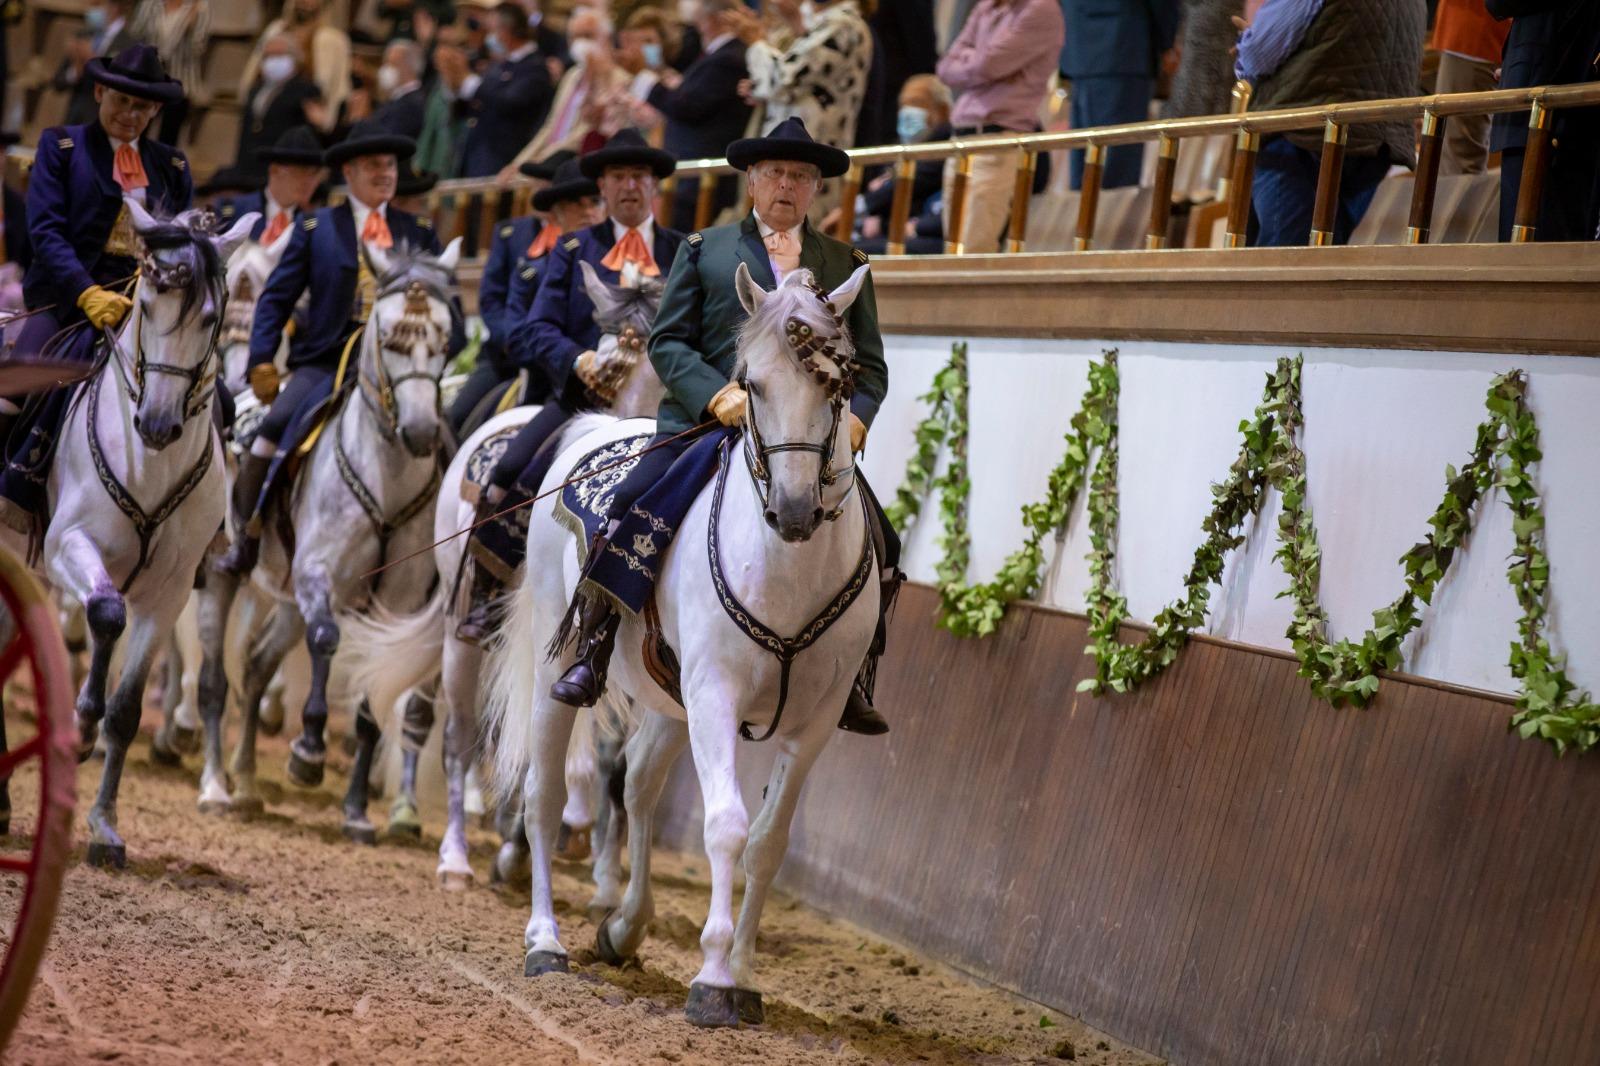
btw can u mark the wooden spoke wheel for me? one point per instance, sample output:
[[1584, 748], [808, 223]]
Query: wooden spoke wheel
[[32, 642]]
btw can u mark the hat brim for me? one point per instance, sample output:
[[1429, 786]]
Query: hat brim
[[746, 153], [537, 170], [422, 183], [294, 157], [594, 164], [388, 144], [169, 91], [550, 195]]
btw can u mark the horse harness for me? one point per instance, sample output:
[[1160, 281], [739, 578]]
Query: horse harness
[[377, 389]]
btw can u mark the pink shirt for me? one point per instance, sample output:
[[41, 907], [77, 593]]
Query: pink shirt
[[1002, 61]]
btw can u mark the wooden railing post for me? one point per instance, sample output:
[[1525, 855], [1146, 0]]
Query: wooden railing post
[[1537, 157], [1245, 147], [905, 173], [1021, 198], [1427, 180], [1161, 196], [1325, 212], [847, 203], [705, 200], [1089, 197], [955, 212], [1239, 103]]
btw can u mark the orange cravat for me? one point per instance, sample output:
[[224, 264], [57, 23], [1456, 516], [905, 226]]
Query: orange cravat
[[276, 227], [376, 232], [783, 249], [544, 242], [632, 249], [129, 169]]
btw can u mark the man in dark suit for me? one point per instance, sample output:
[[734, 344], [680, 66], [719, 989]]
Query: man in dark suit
[[85, 251], [400, 83], [1112, 54], [327, 256], [905, 30], [507, 103], [559, 338], [294, 170], [702, 106], [1552, 42]]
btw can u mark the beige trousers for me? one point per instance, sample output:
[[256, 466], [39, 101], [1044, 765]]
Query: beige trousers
[[1466, 137], [989, 189]]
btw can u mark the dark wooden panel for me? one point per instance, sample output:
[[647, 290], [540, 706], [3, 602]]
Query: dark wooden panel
[[1218, 868]]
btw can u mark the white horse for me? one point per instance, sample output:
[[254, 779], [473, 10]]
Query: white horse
[[804, 584], [405, 653], [248, 270], [362, 499], [136, 486]]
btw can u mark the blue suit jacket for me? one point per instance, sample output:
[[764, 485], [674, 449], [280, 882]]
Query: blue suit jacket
[[74, 201], [321, 258], [504, 114], [507, 256], [560, 325], [1117, 38], [704, 113]]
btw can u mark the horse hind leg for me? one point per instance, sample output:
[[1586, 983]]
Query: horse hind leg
[[650, 753], [357, 826], [261, 665], [415, 725], [542, 798], [106, 847], [460, 669], [610, 826]]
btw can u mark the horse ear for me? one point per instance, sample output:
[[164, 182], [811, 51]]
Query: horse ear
[[599, 292], [751, 294], [845, 295], [142, 219], [225, 243], [451, 255]]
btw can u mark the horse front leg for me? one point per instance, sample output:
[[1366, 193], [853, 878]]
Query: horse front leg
[[416, 724], [75, 566], [542, 797], [459, 681], [215, 601], [713, 737], [357, 826], [308, 753], [650, 753], [106, 846]]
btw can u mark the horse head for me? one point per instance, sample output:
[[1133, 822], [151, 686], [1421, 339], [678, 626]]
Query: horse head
[[797, 366], [248, 269], [408, 340], [178, 307], [625, 312]]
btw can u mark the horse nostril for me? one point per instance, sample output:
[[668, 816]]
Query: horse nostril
[[771, 517], [816, 516]]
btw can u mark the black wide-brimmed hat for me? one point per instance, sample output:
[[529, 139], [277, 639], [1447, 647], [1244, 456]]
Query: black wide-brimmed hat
[[137, 71], [299, 146], [231, 179], [415, 183], [568, 183], [627, 148], [546, 168], [789, 140], [369, 137]]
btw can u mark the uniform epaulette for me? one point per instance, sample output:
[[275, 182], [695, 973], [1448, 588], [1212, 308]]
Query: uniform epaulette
[[63, 143], [528, 272], [859, 256], [505, 231], [309, 224], [228, 210], [180, 162], [570, 244], [695, 238], [424, 223]]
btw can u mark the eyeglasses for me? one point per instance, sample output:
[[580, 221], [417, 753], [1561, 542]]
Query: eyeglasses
[[794, 175]]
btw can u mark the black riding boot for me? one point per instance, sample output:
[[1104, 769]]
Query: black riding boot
[[859, 714], [585, 681], [240, 558]]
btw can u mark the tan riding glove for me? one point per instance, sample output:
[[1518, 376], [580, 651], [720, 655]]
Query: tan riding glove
[[264, 382], [727, 406], [858, 434], [103, 307]]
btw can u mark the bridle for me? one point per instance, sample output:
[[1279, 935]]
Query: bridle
[[202, 377], [378, 386], [811, 350]]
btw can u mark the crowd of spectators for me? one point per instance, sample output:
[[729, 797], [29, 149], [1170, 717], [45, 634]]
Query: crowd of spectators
[[485, 88]]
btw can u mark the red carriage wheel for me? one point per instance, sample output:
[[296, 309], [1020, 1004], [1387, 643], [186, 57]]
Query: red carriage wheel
[[35, 643]]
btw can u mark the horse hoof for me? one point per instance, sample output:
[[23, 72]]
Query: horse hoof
[[751, 1010], [304, 772], [539, 963], [572, 845], [269, 727], [455, 880], [215, 807], [603, 946], [107, 856], [247, 806], [360, 831], [712, 1008], [162, 755], [185, 741], [404, 831]]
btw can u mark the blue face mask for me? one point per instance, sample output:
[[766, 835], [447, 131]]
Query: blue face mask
[[95, 18], [497, 47], [912, 123], [653, 57]]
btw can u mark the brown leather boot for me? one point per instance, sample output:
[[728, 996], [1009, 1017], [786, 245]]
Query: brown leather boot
[[585, 681], [860, 716]]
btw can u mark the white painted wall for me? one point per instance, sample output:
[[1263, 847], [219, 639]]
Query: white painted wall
[[1380, 428]]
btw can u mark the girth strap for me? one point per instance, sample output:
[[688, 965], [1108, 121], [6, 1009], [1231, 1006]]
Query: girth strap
[[786, 649], [382, 526]]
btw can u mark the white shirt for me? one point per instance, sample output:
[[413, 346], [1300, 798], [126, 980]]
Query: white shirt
[[361, 211], [137, 194], [767, 231]]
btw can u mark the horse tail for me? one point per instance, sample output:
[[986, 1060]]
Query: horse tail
[[510, 682], [389, 654]]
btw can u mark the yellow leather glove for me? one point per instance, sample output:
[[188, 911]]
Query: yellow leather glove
[[858, 434], [103, 307], [727, 406], [264, 382], [585, 368]]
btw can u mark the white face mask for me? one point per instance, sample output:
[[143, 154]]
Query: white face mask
[[388, 80], [582, 49], [277, 69]]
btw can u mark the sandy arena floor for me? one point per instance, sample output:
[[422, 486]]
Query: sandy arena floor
[[276, 941]]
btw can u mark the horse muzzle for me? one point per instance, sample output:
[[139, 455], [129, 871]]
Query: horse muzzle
[[793, 522], [158, 432], [420, 443]]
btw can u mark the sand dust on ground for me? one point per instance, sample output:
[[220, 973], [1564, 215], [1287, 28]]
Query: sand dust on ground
[[276, 941]]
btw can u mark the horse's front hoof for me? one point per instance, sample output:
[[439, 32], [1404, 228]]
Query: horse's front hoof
[[455, 880], [107, 856], [215, 807], [185, 741], [511, 866], [403, 822], [751, 1009], [303, 771], [573, 845], [603, 946], [270, 726], [360, 831], [712, 1008], [162, 755], [539, 963]]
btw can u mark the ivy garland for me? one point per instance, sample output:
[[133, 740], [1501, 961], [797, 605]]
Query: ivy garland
[[1549, 706]]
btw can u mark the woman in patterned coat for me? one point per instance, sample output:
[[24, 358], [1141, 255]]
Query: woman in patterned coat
[[818, 76]]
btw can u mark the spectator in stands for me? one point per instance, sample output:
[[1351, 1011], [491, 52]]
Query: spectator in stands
[[281, 98], [904, 30], [509, 100], [1552, 42], [443, 129], [691, 44], [924, 115], [1112, 55], [180, 30], [105, 32], [704, 113], [819, 77], [1469, 41], [593, 74], [326, 52], [1000, 65], [400, 88], [1300, 53], [551, 44], [1204, 82]]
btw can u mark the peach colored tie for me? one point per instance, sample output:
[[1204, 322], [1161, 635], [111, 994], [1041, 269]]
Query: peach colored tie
[[545, 242], [376, 232], [783, 249], [129, 169], [632, 249], [275, 227]]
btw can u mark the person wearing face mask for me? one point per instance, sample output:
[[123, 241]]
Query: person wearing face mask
[[592, 76], [924, 115], [324, 52], [105, 32], [282, 98], [509, 100], [400, 88], [558, 338]]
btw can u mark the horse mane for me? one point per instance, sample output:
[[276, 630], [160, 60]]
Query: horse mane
[[793, 298], [409, 261], [186, 241]]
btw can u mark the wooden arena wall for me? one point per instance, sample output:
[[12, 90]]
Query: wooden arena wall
[[1217, 868]]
